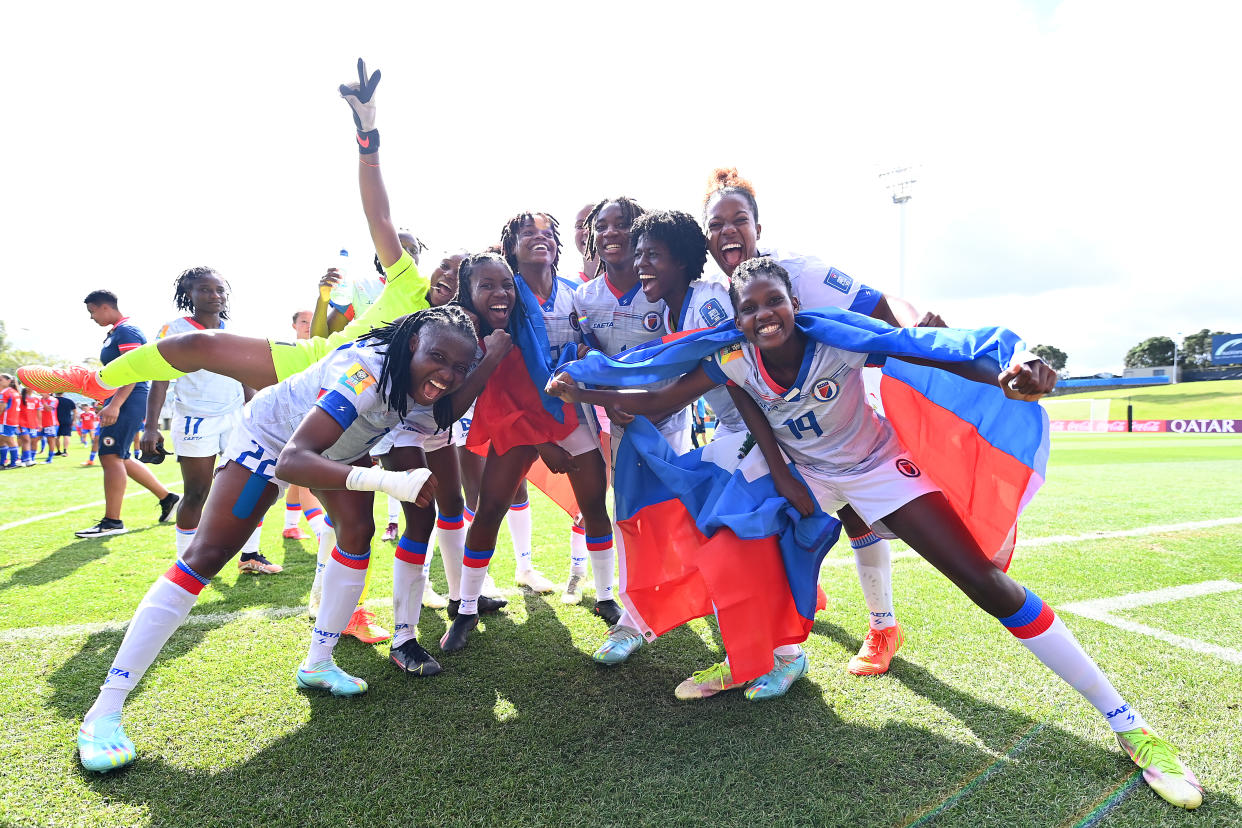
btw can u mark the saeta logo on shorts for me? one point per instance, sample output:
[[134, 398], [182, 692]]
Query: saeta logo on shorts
[[906, 468]]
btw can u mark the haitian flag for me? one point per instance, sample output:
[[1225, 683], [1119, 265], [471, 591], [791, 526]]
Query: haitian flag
[[987, 453], [707, 531]]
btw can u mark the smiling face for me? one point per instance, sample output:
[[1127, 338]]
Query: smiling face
[[209, 294], [439, 362], [536, 244], [732, 232], [492, 293], [658, 272], [444, 280], [765, 312], [612, 234]]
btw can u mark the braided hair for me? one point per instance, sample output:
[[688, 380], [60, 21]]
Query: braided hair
[[394, 379], [758, 267], [465, 283], [184, 282], [728, 181], [630, 210], [680, 232], [509, 237]]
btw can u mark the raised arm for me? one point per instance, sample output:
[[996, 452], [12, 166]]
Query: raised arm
[[361, 99], [787, 485], [1029, 378], [496, 345]]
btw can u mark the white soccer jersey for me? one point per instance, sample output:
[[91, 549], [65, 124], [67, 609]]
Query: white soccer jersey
[[706, 305], [612, 321], [616, 321], [823, 420], [345, 384], [819, 286], [202, 393], [558, 310]]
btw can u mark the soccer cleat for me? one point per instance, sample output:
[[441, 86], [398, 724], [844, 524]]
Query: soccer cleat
[[80, 465], [433, 599], [412, 658], [533, 580], [706, 683], [608, 610], [877, 651], [294, 533], [104, 528], [573, 589], [489, 587], [390, 534], [167, 504], [362, 626], [78, 379], [1162, 770], [259, 565], [618, 646], [103, 745], [486, 604], [327, 676], [777, 681], [458, 633]]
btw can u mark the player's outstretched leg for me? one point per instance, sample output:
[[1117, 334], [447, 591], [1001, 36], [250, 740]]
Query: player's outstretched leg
[[873, 560]]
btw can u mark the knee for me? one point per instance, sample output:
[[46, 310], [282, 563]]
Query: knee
[[995, 592], [451, 503], [356, 535], [490, 513]]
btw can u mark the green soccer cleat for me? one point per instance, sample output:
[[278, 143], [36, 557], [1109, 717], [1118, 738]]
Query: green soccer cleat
[[327, 676], [779, 679], [703, 684], [1162, 770], [618, 646], [103, 745]]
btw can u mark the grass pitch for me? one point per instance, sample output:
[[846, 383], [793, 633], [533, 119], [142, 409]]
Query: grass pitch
[[967, 729], [1221, 399]]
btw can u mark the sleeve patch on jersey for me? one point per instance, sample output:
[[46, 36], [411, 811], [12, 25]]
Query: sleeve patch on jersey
[[838, 280], [338, 407], [726, 355], [356, 379], [713, 313]]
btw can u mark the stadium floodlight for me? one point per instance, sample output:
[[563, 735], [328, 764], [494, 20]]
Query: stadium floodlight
[[898, 182]]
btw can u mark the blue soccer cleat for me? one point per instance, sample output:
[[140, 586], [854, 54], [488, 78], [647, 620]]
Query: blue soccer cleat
[[777, 681], [103, 745], [327, 676]]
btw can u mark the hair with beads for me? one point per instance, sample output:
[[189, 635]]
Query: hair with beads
[[394, 379], [184, 283], [509, 237], [630, 210], [682, 235], [756, 268], [727, 181]]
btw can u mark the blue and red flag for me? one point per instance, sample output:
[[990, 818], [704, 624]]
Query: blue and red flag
[[986, 452]]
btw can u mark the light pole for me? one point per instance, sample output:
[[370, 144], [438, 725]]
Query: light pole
[[898, 182], [1174, 377]]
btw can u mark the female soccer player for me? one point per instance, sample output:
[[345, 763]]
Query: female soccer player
[[10, 408], [531, 247], [310, 429], [206, 409], [847, 453]]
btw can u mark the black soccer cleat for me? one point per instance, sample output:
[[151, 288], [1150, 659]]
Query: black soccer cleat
[[413, 659], [167, 505], [486, 604], [608, 610], [458, 633]]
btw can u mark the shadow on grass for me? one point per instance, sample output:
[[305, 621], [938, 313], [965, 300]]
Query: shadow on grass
[[66, 560]]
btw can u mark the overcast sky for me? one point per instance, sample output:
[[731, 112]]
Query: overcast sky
[[1077, 162]]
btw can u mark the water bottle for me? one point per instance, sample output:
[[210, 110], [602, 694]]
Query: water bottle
[[342, 295]]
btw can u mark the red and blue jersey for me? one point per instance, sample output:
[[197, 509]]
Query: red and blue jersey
[[122, 338], [10, 407]]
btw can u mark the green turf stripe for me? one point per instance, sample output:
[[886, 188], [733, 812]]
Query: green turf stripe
[[978, 780], [1107, 805]]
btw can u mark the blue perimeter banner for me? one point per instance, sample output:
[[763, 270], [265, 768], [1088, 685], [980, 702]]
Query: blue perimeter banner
[[1226, 349]]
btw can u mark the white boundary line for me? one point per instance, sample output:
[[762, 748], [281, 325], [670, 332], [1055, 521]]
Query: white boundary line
[[1102, 609], [37, 518], [1056, 540], [220, 618]]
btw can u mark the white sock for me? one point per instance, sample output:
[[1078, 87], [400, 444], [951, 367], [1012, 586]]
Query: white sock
[[520, 531], [451, 535], [473, 572], [577, 550], [317, 519], [394, 509], [409, 580], [184, 536], [1044, 634], [603, 557], [343, 578], [327, 542], [293, 511], [251, 546], [163, 609], [873, 560], [431, 556], [788, 651]]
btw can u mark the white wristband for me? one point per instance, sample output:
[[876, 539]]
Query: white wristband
[[401, 485]]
